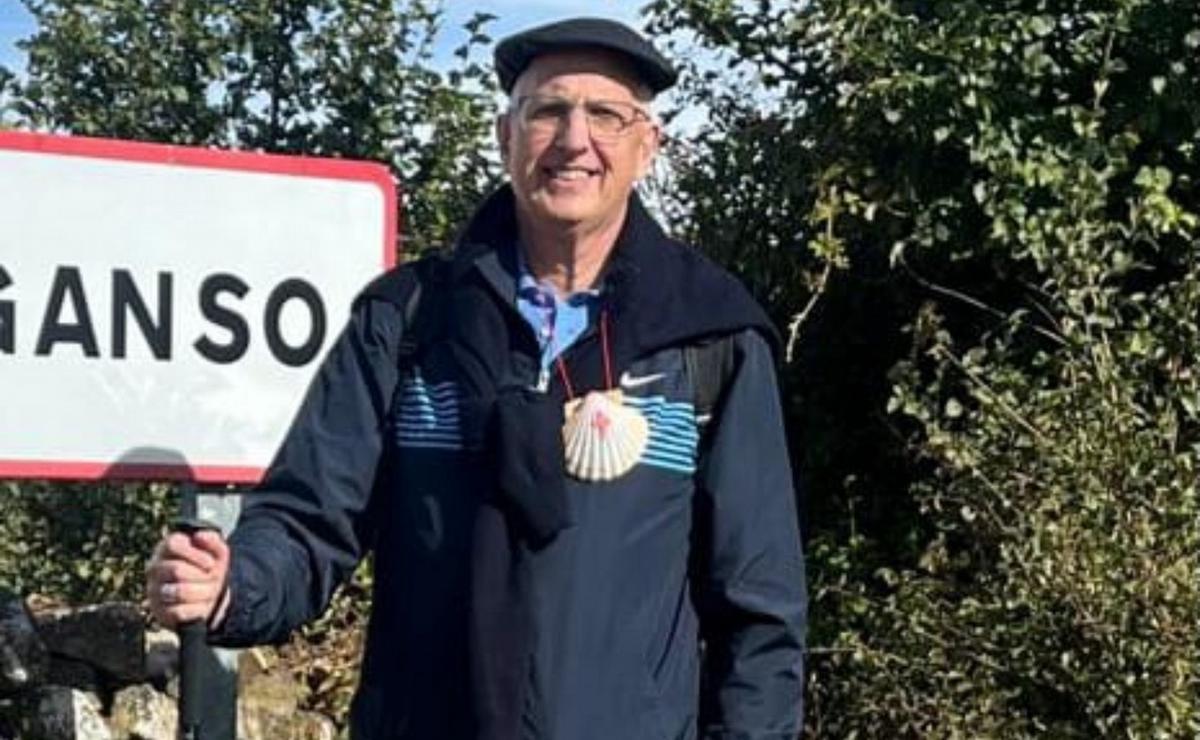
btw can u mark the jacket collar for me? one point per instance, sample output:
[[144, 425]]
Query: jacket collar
[[657, 291]]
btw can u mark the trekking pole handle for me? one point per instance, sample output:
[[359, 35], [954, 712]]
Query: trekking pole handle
[[193, 636]]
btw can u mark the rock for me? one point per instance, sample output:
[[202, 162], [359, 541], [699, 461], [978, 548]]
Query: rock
[[23, 657], [265, 705], [317, 727], [310, 726], [279, 694], [162, 657], [256, 661], [269, 699], [110, 637], [295, 726], [62, 713], [73, 673], [141, 713]]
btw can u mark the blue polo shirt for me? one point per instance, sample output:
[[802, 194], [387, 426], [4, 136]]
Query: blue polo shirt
[[557, 322]]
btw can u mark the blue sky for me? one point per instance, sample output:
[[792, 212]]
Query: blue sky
[[15, 23], [512, 15]]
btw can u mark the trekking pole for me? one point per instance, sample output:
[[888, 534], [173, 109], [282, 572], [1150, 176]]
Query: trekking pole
[[192, 658]]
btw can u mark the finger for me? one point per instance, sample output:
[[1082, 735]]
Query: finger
[[213, 544], [178, 593], [178, 546], [155, 555], [168, 593], [168, 571], [174, 616]]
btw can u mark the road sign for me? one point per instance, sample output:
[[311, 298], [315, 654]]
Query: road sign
[[163, 309]]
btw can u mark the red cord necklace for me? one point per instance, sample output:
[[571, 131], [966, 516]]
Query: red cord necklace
[[603, 438], [604, 351]]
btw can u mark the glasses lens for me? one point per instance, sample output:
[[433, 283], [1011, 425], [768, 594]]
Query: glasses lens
[[543, 115], [607, 119]]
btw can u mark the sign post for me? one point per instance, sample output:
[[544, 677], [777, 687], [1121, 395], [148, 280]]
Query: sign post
[[162, 311]]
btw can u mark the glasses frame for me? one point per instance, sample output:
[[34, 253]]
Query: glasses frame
[[640, 114]]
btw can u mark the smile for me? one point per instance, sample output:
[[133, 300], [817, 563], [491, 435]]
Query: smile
[[569, 173]]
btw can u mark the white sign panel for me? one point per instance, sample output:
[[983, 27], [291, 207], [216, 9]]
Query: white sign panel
[[163, 309]]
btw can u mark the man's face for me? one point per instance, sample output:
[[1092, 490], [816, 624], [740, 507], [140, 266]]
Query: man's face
[[566, 172]]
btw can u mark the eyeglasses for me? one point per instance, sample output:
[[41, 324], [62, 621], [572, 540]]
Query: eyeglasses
[[608, 120]]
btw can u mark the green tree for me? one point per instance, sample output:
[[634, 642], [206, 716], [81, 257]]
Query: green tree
[[1014, 183], [340, 78]]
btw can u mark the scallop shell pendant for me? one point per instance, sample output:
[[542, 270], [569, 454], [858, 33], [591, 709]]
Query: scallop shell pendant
[[602, 438]]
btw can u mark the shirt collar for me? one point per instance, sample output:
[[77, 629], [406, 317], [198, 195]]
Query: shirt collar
[[541, 293]]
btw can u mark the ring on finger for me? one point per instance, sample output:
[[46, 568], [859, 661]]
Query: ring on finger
[[169, 593]]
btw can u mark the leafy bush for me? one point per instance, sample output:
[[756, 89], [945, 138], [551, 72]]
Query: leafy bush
[[80, 543], [1029, 171]]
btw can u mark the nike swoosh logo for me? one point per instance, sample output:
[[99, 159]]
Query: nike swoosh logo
[[629, 381]]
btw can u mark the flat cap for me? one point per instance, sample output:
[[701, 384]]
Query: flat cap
[[515, 53]]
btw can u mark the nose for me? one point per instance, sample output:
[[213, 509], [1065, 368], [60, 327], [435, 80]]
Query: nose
[[573, 131]]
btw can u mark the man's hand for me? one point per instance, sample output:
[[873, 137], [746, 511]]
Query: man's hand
[[185, 579]]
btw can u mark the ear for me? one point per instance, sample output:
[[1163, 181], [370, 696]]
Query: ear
[[503, 135], [648, 146]]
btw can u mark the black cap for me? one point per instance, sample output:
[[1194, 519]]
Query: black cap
[[514, 53]]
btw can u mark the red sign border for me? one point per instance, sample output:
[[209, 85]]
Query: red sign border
[[188, 156]]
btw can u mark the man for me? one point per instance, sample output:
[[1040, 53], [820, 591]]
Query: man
[[566, 539]]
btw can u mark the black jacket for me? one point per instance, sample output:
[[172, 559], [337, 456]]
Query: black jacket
[[511, 601]]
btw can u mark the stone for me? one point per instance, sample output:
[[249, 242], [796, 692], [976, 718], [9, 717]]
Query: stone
[[62, 713], [76, 674], [295, 726], [162, 657], [141, 713], [110, 637], [314, 726], [256, 661], [266, 703], [23, 656], [172, 687], [279, 694]]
